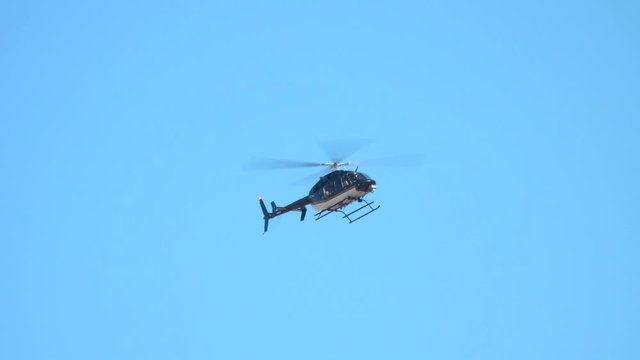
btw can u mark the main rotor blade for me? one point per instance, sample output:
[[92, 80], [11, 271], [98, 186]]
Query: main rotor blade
[[272, 164], [311, 179], [339, 150]]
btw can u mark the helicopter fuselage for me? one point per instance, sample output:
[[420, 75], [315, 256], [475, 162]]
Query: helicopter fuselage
[[339, 189]]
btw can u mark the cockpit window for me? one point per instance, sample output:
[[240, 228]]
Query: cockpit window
[[362, 176]]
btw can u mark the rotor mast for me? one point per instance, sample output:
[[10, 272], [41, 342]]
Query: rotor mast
[[336, 165]]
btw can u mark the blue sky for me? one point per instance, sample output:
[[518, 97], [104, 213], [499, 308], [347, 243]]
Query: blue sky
[[129, 228]]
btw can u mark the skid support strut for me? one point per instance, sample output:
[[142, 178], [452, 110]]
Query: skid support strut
[[367, 204]]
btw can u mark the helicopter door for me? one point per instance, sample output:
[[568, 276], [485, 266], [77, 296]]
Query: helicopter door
[[346, 180], [328, 189]]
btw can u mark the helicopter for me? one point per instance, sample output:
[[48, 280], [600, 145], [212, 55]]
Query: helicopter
[[331, 194]]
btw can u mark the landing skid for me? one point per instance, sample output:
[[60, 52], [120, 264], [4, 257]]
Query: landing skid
[[346, 202]]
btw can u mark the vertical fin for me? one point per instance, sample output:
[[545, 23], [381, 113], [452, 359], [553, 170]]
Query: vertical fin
[[266, 214]]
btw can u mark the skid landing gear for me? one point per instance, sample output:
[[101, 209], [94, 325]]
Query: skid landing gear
[[366, 207]]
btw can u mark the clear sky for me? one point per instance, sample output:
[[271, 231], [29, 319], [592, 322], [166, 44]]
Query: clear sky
[[129, 229]]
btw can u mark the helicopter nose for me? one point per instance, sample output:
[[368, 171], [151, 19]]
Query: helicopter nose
[[372, 185], [367, 186]]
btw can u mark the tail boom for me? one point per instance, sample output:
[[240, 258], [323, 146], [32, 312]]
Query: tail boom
[[298, 205]]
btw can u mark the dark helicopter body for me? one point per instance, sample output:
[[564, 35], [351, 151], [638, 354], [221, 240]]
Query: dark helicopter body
[[339, 189], [330, 194]]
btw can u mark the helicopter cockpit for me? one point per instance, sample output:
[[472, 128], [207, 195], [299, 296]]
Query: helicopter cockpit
[[335, 182]]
